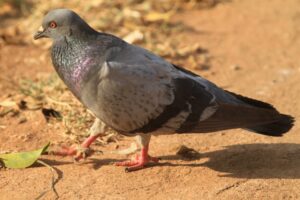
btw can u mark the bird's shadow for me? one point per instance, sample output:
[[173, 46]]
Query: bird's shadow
[[252, 161]]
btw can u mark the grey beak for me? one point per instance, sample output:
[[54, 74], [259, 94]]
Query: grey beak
[[39, 34]]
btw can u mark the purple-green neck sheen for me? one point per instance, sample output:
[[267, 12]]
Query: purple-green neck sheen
[[78, 57], [72, 60]]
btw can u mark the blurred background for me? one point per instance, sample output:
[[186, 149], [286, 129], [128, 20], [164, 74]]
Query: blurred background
[[150, 24], [250, 47]]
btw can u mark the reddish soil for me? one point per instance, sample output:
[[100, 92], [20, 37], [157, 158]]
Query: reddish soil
[[254, 47]]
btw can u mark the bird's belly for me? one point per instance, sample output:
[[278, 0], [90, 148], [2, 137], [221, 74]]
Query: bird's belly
[[122, 107]]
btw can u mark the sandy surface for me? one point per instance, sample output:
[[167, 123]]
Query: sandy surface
[[254, 47]]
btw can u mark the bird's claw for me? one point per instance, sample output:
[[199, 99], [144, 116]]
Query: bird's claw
[[82, 153], [78, 152], [138, 163]]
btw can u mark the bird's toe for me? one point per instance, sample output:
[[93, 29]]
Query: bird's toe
[[76, 151]]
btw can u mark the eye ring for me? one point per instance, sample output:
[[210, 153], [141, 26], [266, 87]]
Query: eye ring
[[52, 24]]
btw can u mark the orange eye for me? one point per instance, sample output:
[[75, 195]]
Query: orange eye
[[52, 24]]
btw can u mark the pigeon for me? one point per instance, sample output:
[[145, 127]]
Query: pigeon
[[138, 93]]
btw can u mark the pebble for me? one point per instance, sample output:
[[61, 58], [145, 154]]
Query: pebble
[[22, 120], [285, 72], [187, 152], [235, 67]]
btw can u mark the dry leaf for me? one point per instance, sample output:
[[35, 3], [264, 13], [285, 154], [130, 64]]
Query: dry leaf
[[8, 103], [157, 16], [196, 48], [134, 37]]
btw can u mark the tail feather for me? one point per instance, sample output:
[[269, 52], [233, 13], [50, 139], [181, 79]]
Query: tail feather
[[276, 128], [252, 102], [230, 116], [252, 115]]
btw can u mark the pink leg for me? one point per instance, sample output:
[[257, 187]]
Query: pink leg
[[78, 152], [139, 162]]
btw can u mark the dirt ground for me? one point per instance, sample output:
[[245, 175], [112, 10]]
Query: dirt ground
[[254, 47]]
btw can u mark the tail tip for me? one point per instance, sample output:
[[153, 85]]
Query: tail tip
[[276, 129]]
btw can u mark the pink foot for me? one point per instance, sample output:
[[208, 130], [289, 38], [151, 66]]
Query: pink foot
[[79, 152], [139, 162]]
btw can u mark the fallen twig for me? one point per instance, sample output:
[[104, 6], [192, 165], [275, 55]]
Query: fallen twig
[[53, 182]]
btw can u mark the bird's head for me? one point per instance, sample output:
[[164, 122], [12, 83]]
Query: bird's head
[[60, 23]]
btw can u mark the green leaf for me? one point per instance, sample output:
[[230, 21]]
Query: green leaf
[[22, 159]]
